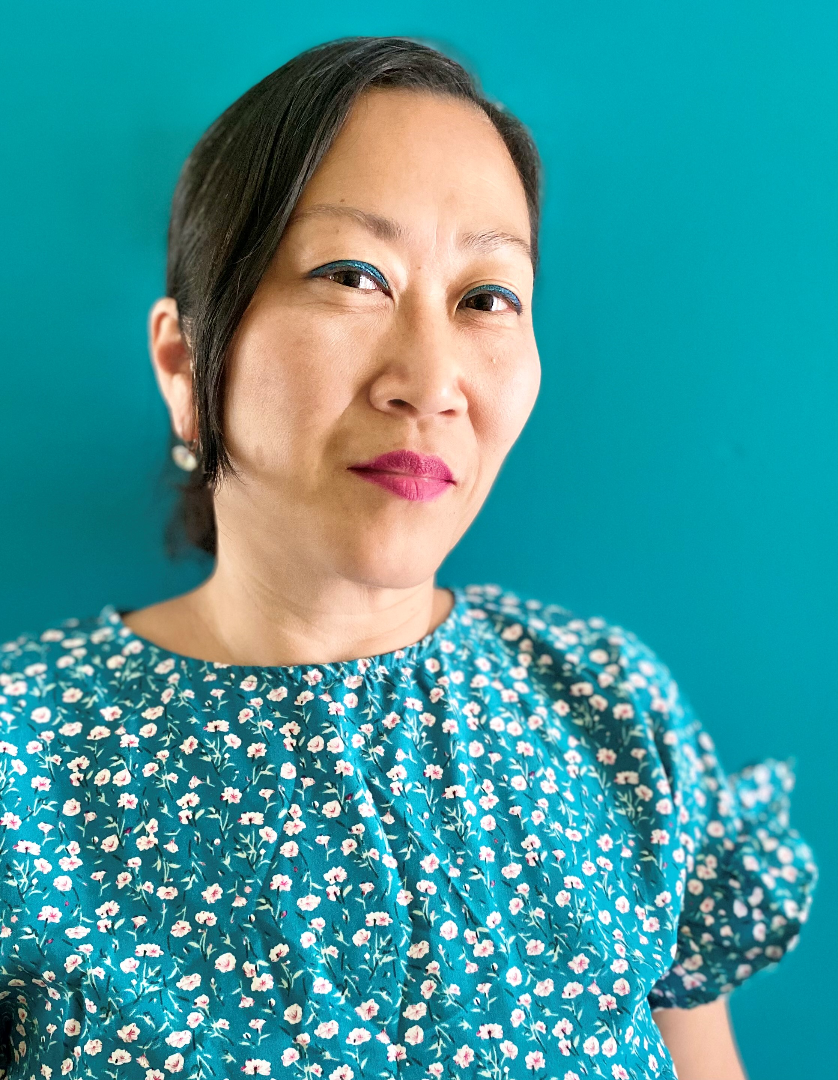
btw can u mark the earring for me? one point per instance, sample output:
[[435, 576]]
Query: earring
[[185, 455]]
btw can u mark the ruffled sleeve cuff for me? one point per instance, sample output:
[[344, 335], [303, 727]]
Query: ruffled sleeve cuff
[[747, 893]]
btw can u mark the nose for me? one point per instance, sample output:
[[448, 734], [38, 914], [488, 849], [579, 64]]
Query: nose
[[420, 370]]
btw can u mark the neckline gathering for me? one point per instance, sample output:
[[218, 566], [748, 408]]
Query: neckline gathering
[[406, 656]]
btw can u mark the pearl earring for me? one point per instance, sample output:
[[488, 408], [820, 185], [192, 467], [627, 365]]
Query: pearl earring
[[185, 456]]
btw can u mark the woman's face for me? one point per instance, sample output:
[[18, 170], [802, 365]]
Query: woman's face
[[396, 314]]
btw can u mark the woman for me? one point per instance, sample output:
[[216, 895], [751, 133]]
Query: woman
[[319, 817]]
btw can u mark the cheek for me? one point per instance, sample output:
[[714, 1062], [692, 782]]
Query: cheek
[[289, 380], [510, 397]]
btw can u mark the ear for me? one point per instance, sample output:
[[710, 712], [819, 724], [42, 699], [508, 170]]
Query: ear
[[172, 362]]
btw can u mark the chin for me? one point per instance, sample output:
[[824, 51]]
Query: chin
[[390, 566]]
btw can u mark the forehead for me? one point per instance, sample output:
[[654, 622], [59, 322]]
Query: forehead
[[428, 161]]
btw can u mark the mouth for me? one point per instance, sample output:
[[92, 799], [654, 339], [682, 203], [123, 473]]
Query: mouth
[[413, 476]]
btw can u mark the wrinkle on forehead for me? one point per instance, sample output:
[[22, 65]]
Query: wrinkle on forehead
[[387, 229]]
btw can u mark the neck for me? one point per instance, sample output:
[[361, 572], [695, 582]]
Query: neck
[[241, 617]]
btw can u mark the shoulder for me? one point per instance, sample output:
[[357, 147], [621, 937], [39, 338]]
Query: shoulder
[[607, 681], [47, 644], [51, 664], [590, 645]]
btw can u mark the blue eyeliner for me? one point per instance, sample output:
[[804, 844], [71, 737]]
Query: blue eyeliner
[[501, 291], [367, 268], [349, 264]]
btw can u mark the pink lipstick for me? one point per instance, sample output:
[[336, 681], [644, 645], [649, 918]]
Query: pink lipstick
[[417, 477]]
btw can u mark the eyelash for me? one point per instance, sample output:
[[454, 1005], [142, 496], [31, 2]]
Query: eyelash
[[370, 271]]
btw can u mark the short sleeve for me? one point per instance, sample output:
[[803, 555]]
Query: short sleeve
[[747, 875]]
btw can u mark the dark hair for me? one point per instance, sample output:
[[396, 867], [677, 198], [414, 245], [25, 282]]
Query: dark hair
[[238, 189]]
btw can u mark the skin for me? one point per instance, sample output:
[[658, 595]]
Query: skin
[[701, 1041], [315, 564]]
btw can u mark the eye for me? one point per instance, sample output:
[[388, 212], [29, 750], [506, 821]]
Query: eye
[[352, 274], [493, 298]]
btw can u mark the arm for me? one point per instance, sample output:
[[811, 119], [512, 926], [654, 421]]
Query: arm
[[701, 1041]]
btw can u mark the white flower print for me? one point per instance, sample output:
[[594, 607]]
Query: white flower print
[[333, 870]]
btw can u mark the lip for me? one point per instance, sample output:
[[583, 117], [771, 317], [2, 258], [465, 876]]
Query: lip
[[413, 476]]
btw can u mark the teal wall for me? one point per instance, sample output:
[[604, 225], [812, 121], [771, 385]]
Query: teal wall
[[685, 314]]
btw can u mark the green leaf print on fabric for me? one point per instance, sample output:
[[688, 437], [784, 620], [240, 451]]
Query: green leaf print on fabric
[[489, 854]]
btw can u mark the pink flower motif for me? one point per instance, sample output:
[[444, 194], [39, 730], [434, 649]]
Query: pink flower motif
[[464, 1056], [256, 1067], [225, 962], [212, 893], [578, 964]]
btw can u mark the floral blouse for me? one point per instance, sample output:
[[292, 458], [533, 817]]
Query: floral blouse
[[489, 854]]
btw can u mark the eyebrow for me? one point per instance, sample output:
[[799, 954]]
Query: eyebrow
[[387, 229]]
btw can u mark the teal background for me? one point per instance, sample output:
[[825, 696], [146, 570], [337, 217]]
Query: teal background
[[678, 473]]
